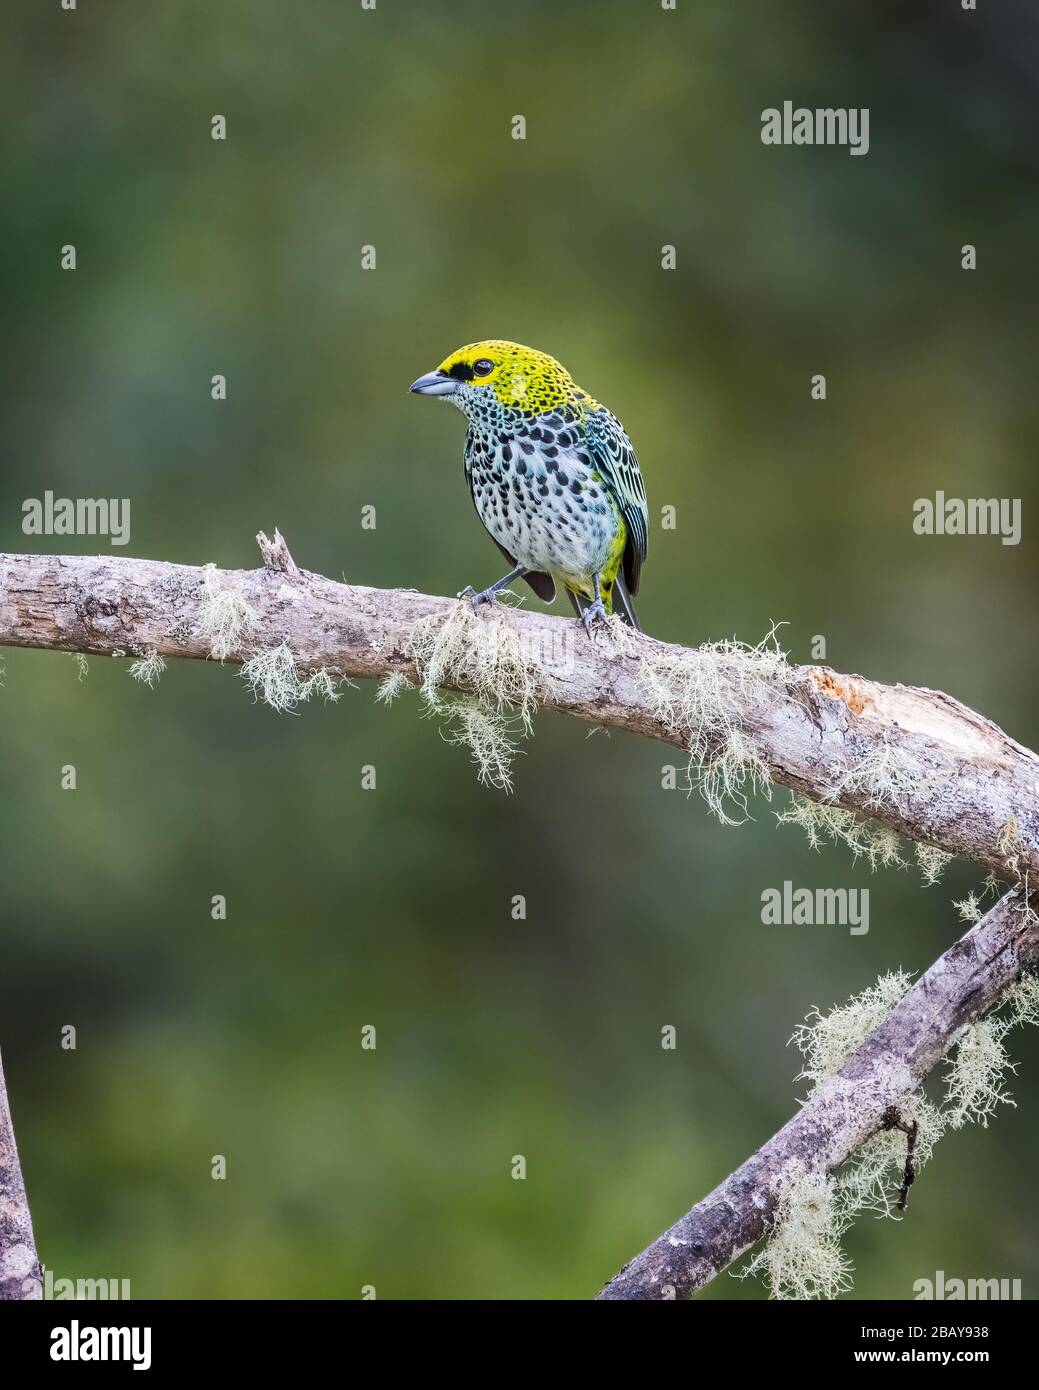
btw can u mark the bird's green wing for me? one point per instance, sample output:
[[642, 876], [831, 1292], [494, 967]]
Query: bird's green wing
[[614, 459]]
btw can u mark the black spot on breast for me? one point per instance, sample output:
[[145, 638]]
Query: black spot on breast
[[563, 477], [527, 448]]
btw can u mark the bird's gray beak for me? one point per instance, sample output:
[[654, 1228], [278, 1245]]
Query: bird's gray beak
[[434, 384]]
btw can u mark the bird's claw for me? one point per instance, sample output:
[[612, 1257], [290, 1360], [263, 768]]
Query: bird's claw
[[476, 599], [594, 612]]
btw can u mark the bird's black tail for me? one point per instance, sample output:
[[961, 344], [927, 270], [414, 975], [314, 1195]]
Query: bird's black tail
[[622, 604]]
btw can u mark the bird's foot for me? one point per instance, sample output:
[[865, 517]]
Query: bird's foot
[[476, 599], [593, 613]]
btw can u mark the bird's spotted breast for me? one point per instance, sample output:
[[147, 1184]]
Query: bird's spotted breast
[[539, 496]]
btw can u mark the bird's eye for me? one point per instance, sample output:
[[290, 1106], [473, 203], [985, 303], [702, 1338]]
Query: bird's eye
[[483, 366]]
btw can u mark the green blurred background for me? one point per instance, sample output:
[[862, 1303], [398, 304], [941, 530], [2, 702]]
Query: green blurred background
[[392, 907]]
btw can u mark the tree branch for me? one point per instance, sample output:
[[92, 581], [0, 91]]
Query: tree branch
[[20, 1275], [962, 985], [959, 782], [914, 760]]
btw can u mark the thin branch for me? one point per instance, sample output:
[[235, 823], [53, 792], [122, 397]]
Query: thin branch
[[951, 778], [862, 1098], [891, 1119], [20, 1275]]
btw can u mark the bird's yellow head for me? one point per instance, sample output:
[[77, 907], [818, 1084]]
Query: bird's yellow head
[[505, 375]]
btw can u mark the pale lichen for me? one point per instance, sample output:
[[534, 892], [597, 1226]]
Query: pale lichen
[[802, 1257], [931, 862], [1010, 842], [476, 651], [975, 1084], [148, 668], [969, 908], [697, 695], [877, 844], [694, 694], [391, 687], [731, 771], [273, 676], [487, 734], [825, 1041], [884, 776], [224, 616]]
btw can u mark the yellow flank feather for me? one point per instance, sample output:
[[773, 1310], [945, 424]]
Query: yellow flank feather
[[609, 572]]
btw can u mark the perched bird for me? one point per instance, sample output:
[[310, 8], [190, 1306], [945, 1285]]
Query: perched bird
[[553, 476]]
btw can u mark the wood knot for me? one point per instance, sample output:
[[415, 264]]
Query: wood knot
[[99, 614]]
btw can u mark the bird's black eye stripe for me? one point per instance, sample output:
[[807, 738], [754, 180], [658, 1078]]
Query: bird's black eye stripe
[[461, 371]]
